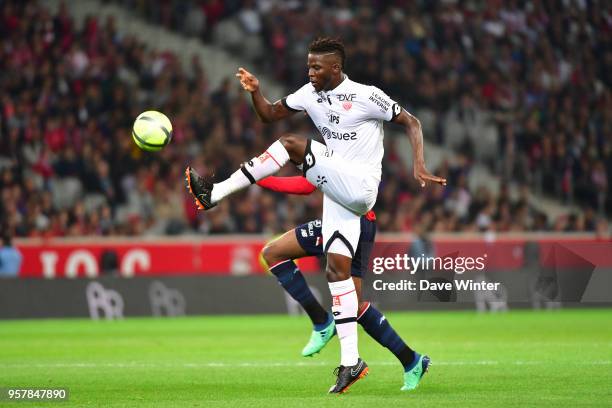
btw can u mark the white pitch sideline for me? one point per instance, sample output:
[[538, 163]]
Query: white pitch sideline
[[277, 364]]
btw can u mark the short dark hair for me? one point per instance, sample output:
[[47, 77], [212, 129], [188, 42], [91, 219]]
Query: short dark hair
[[323, 45]]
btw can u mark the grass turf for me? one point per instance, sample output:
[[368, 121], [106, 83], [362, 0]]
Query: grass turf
[[520, 358]]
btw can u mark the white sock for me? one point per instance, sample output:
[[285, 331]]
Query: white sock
[[344, 309], [255, 169]]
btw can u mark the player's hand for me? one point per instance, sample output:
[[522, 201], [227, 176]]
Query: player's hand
[[423, 176], [249, 82]]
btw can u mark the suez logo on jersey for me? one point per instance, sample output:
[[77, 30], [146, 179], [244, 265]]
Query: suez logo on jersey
[[328, 134]]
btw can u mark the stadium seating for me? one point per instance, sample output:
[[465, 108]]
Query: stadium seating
[[68, 96]]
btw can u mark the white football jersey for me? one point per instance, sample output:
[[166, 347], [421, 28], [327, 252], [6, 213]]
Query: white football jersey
[[349, 119]]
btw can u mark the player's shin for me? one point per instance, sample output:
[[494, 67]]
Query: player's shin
[[292, 280], [344, 308], [377, 326], [266, 164]]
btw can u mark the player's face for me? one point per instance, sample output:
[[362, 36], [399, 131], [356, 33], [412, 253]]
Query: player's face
[[322, 69]]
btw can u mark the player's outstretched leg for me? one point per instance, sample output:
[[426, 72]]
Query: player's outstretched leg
[[200, 188], [279, 254], [272, 160], [377, 326]]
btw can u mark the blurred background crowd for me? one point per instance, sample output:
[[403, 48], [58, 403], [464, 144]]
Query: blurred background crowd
[[522, 87]]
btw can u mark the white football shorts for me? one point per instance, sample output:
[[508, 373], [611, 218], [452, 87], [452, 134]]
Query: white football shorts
[[350, 191]]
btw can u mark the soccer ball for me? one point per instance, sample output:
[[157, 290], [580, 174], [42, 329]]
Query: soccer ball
[[152, 130]]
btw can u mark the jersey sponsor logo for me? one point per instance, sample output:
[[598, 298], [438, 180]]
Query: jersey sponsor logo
[[328, 134], [380, 101], [333, 118], [346, 97]]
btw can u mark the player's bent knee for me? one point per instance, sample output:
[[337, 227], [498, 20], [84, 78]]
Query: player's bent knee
[[271, 255], [362, 307], [295, 146], [335, 274]]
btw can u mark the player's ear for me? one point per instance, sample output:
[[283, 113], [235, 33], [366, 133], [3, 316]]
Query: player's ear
[[336, 68]]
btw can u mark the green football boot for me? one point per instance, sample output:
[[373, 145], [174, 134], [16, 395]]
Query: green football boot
[[318, 339], [413, 376]]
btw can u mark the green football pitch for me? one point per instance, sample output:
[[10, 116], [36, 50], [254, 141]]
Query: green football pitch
[[519, 358]]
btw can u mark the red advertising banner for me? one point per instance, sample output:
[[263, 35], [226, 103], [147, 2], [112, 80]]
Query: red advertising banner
[[59, 259]]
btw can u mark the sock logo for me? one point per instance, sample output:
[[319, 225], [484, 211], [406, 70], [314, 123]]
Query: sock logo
[[265, 156]]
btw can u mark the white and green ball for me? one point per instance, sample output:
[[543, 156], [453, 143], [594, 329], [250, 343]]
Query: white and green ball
[[152, 131]]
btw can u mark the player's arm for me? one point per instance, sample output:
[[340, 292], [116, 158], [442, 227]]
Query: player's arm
[[414, 131], [291, 185], [267, 111]]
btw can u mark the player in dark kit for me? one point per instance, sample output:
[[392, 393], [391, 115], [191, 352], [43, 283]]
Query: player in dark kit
[[347, 169], [306, 240]]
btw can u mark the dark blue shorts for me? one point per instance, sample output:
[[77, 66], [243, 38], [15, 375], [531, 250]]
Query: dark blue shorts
[[310, 238]]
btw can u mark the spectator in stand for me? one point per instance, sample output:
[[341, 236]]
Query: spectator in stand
[[10, 258]]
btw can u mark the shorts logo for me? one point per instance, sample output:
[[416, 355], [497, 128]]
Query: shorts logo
[[321, 180], [311, 228], [336, 301]]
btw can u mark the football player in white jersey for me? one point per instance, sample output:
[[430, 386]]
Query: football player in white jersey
[[347, 169]]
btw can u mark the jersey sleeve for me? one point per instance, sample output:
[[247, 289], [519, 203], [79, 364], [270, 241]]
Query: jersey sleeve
[[381, 106], [291, 185], [298, 100]]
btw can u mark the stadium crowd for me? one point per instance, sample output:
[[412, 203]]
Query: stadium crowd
[[68, 97]]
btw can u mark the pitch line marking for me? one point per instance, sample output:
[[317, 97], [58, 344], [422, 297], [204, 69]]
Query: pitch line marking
[[274, 364]]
